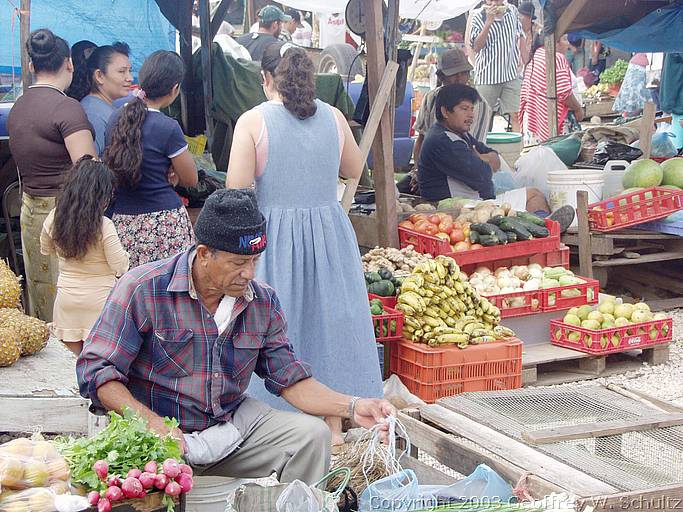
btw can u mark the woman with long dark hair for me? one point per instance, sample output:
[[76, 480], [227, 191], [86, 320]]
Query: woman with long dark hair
[[148, 154], [88, 248], [293, 148], [107, 77], [49, 132]]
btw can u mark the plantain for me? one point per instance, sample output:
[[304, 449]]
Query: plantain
[[431, 322], [470, 327], [503, 331], [452, 338], [490, 319], [431, 311], [441, 270], [405, 308], [413, 300], [482, 339], [476, 333]]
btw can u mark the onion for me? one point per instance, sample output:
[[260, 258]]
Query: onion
[[482, 270], [532, 284], [500, 271]]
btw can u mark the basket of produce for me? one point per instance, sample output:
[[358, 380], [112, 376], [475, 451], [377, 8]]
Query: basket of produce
[[525, 290], [500, 237], [433, 372], [441, 307], [633, 207], [610, 328], [388, 322], [557, 258], [383, 285]]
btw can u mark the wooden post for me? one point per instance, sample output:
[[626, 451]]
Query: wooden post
[[551, 83], [207, 82], [185, 37], [24, 32], [568, 16], [585, 248], [647, 123], [416, 56], [382, 148], [219, 16]]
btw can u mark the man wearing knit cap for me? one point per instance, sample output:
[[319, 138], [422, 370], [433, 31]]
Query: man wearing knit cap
[[182, 337]]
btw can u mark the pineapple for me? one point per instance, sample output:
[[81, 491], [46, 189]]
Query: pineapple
[[10, 287], [10, 347], [32, 332]]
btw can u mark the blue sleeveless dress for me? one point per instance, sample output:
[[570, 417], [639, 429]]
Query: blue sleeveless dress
[[312, 260]]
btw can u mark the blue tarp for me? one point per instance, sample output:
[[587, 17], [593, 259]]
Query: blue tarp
[[136, 22]]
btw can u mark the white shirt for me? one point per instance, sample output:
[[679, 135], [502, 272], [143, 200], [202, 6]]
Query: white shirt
[[332, 30], [303, 34], [223, 314]]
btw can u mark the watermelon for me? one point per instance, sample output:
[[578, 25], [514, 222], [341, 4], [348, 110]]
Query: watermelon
[[672, 170], [642, 173]]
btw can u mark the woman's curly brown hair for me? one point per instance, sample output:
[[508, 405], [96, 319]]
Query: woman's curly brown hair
[[294, 76], [84, 197]]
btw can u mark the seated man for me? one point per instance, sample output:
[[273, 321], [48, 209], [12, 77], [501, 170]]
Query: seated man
[[181, 337], [454, 164]]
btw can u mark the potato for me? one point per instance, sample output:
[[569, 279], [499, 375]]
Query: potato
[[497, 212]]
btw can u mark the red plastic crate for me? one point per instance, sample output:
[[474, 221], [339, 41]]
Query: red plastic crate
[[385, 320], [427, 244], [558, 258], [525, 303], [634, 208], [628, 338], [388, 302], [435, 372]]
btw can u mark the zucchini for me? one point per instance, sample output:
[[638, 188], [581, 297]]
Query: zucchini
[[496, 221], [474, 237], [500, 234], [483, 228], [536, 230], [372, 277], [383, 288], [514, 225], [512, 236], [488, 240], [530, 217]]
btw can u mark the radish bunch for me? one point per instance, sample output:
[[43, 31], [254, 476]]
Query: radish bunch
[[171, 477]]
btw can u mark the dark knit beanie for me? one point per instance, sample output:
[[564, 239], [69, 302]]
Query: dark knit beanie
[[231, 221]]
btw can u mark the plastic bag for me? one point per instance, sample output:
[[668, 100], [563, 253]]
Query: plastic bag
[[25, 464], [397, 492], [608, 150], [297, 497], [662, 146], [533, 167], [484, 486], [503, 181], [41, 498]]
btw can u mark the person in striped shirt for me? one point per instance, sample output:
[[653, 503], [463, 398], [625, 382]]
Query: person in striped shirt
[[495, 38]]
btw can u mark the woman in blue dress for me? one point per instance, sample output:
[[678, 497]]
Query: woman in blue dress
[[293, 148]]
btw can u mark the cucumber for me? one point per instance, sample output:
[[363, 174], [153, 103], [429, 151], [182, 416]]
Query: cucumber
[[513, 225], [512, 236], [474, 237], [530, 217], [500, 234], [497, 220], [488, 240], [484, 228], [535, 230]]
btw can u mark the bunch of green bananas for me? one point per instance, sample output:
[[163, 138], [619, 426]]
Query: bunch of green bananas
[[441, 307]]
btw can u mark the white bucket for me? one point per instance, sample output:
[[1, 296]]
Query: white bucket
[[211, 493], [563, 186], [614, 174]]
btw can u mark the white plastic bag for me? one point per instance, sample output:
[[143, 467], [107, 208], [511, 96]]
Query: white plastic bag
[[533, 167], [399, 492], [297, 497]]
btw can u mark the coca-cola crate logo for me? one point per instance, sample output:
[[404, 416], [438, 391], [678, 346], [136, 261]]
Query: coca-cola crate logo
[[634, 340]]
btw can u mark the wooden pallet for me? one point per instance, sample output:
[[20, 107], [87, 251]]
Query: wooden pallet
[[548, 364], [462, 443], [40, 393]]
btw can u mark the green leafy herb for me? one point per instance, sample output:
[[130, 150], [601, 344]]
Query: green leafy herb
[[125, 443], [615, 74]]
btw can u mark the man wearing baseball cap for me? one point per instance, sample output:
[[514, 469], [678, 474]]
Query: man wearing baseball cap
[[270, 20], [452, 68]]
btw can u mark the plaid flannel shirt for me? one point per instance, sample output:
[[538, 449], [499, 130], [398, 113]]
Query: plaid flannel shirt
[[164, 345]]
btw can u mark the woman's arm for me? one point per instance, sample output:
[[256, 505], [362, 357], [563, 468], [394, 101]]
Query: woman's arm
[[116, 255], [185, 169], [242, 161], [80, 143], [351, 164]]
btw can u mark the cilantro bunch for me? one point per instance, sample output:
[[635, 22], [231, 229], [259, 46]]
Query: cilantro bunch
[[615, 74]]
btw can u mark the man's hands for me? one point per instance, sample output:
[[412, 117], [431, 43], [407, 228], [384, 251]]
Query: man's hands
[[157, 424], [372, 411]]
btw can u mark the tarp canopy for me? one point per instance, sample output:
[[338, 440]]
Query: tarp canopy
[[139, 23], [629, 25]]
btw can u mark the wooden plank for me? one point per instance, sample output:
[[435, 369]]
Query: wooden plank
[[185, 39], [426, 475], [568, 16], [646, 258], [53, 415], [219, 17], [599, 244], [24, 32], [668, 497], [515, 452], [465, 457], [382, 147], [647, 127], [647, 277], [666, 304], [585, 242], [370, 130], [602, 429], [644, 398], [207, 82], [548, 353], [551, 83]]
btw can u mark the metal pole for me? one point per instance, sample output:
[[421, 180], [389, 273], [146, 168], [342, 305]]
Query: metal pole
[[24, 32]]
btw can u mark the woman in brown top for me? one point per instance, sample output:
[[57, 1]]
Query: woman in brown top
[[48, 133]]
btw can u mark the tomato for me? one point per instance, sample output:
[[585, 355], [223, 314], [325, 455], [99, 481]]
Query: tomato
[[445, 217], [431, 229], [476, 246], [420, 227], [457, 235], [406, 224], [443, 236], [466, 228], [435, 219], [462, 246], [415, 217], [446, 227]]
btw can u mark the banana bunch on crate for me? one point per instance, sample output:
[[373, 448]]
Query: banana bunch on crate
[[441, 307]]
